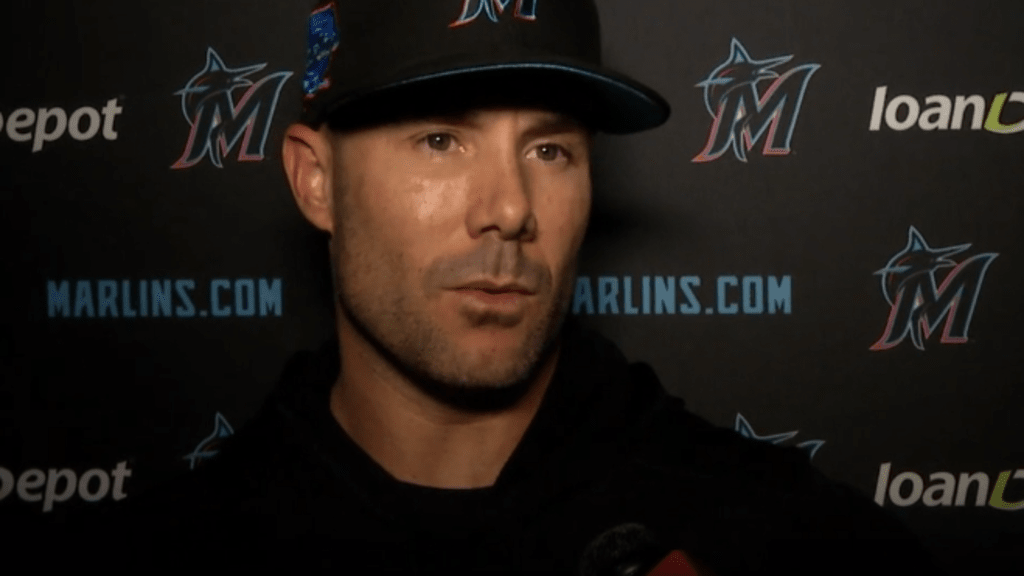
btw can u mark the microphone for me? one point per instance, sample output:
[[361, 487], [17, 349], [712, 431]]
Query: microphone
[[632, 550]]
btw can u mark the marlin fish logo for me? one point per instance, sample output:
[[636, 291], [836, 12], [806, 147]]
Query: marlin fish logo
[[742, 114], [218, 122], [918, 304], [745, 430], [209, 446]]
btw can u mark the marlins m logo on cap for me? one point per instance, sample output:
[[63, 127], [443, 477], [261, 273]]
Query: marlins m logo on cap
[[471, 9]]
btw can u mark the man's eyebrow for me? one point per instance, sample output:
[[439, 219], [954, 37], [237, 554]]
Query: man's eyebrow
[[546, 125], [555, 124]]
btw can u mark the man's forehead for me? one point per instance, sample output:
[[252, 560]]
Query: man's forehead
[[525, 117]]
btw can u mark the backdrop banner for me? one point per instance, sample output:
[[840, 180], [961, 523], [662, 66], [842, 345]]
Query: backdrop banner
[[819, 249]]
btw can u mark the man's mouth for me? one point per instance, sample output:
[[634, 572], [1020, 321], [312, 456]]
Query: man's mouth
[[504, 302], [496, 288]]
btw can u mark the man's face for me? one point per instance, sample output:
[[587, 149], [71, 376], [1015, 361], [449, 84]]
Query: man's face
[[455, 240]]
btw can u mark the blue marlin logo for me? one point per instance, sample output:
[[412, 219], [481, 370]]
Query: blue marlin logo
[[218, 121], [209, 446], [742, 113], [747, 431], [918, 304]]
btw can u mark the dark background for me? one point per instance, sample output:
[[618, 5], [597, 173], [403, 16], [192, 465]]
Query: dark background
[[85, 393]]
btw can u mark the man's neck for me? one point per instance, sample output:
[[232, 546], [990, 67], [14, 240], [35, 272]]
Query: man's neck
[[417, 438]]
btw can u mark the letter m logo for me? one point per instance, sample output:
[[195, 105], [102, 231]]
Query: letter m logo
[[219, 121], [744, 111], [919, 305], [471, 9]]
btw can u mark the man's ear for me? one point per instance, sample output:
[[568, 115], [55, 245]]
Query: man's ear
[[307, 162]]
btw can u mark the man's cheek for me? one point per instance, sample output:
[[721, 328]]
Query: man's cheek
[[433, 201]]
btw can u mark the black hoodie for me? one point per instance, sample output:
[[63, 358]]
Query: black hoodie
[[608, 448]]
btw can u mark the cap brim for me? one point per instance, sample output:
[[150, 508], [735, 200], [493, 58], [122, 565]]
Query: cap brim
[[604, 100]]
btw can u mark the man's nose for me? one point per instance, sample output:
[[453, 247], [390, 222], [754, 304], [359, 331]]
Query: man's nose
[[503, 201]]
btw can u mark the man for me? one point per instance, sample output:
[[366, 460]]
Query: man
[[460, 424]]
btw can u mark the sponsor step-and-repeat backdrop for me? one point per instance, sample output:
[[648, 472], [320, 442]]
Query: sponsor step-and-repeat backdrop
[[822, 248]]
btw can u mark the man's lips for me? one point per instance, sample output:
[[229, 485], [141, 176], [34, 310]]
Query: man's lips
[[490, 287], [506, 299]]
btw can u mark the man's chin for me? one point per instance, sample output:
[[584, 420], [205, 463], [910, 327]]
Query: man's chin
[[481, 368], [484, 391], [486, 377]]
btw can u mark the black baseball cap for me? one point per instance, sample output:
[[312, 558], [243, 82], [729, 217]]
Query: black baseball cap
[[369, 57]]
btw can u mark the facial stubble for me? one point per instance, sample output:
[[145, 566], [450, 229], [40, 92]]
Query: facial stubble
[[385, 314]]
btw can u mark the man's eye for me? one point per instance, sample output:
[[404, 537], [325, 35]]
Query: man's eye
[[440, 142], [550, 152]]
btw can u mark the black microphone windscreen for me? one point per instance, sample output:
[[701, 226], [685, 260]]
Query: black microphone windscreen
[[625, 550]]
